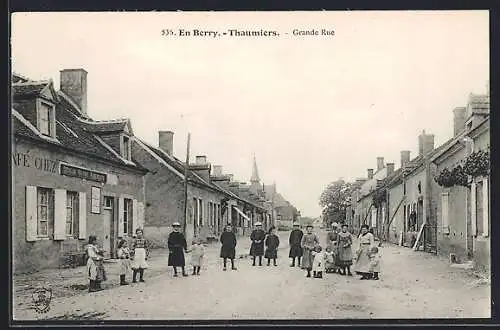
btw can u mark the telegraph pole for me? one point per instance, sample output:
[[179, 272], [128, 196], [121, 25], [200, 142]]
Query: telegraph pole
[[186, 171]]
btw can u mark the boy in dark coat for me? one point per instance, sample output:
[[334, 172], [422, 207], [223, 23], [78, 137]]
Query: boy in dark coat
[[177, 245], [272, 242], [294, 241], [257, 248], [228, 248]]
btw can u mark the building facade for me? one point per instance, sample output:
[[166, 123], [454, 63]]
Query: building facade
[[72, 176]]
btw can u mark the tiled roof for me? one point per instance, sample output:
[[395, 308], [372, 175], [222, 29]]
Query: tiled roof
[[70, 132], [106, 127], [23, 90]]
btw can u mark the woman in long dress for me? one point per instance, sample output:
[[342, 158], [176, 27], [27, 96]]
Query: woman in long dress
[[344, 255], [177, 245], [95, 267], [366, 242], [308, 243]]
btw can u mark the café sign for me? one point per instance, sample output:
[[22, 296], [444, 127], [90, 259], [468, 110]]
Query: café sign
[[82, 173]]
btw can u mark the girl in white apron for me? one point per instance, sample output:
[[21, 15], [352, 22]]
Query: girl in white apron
[[140, 254]]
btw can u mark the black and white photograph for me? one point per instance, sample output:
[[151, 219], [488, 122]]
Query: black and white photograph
[[243, 166]]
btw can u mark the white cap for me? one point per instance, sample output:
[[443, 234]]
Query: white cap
[[176, 224], [335, 224], [258, 223]]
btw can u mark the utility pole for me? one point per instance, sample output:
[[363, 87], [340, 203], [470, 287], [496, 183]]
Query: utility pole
[[186, 171]]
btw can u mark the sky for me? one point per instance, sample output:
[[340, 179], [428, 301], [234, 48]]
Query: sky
[[312, 109]]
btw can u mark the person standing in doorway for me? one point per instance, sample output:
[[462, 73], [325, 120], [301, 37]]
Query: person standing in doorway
[[294, 240], [177, 245], [344, 255], [140, 254], [308, 243], [228, 248], [366, 242], [257, 248], [272, 243]]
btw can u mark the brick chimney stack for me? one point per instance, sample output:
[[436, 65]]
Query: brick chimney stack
[[166, 141], [405, 157], [390, 168], [459, 118], [73, 83], [425, 143], [380, 163]]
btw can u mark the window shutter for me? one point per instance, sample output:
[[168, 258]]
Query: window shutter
[[31, 214], [445, 221], [486, 213], [82, 215], [60, 214], [121, 205], [140, 214], [473, 208], [135, 219]]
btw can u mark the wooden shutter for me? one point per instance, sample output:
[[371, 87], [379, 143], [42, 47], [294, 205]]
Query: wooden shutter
[[82, 215], [445, 220], [60, 214], [486, 212], [121, 205], [31, 214], [135, 220], [140, 214], [473, 207]]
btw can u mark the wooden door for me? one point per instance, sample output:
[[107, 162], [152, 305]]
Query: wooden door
[[107, 226]]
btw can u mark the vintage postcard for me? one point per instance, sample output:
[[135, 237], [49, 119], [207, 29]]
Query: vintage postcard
[[243, 166]]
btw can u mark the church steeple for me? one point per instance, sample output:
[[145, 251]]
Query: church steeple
[[255, 173]]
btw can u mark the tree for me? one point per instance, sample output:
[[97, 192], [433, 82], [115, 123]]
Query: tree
[[334, 200]]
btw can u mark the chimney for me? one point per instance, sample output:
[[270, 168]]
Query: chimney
[[380, 163], [217, 170], [405, 157], [390, 168], [166, 141], [73, 83], [459, 118], [370, 173], [425, 143], [231, 177], [201, 160]]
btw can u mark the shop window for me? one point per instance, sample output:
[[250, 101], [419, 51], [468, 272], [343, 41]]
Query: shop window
[[71, 212], [45, 206], [127, 214], [46, 118]]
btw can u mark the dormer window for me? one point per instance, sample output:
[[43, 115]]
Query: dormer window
[[46, 118], [125, 147]]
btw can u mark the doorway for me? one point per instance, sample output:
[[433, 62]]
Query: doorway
[[107, 226]]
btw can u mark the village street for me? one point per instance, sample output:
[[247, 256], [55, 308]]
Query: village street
[[412, 285]]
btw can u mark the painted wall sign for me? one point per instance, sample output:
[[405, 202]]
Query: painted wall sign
[[42, 164], [81, 173]]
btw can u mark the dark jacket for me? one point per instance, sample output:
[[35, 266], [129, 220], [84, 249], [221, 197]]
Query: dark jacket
[[294, 241], [176, 245], [272, 242], [257, 249], [228, 248]]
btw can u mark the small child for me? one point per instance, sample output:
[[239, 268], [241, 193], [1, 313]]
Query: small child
[[123, 254], [197, 252], [271, 243], [374, 263], [330, 256], [319, 262]]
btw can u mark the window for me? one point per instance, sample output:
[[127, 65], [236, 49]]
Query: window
[[126, 147], [200, 212], [127, 214], [445, 220], [108, 202], [195, 212], [46, 118], [44, 210], [71, 212], [96, 200]]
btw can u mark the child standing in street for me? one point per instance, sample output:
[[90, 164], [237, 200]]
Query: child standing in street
[[271, 242], [123, 254], [228, 247], [308, 242], [140, 254], [374, 263], [330, 258], [197, 252], [319, 262]]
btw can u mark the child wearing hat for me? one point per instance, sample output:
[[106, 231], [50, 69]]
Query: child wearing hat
[[257, 248], [177, 245], [139, 253]]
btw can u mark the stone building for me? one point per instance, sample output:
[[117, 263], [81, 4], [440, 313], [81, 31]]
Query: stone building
[[71, 176]]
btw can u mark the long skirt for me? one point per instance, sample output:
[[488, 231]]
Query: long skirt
[[271, 253], [228, 252], [139, 261], [363, 260], [176, 257], [307, 259], [95, 270], [125, 266], [257, 249], [295, 251], [344, 257]]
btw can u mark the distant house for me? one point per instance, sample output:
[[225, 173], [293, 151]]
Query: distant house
[[71, 176], [463, 212]]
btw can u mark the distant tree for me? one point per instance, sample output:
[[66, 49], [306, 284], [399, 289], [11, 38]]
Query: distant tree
[[334, 200]]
